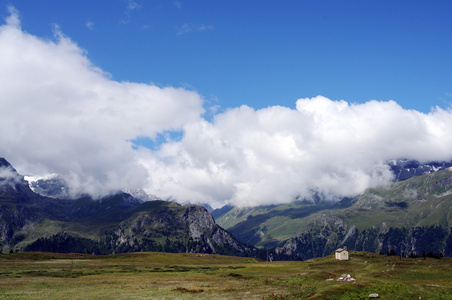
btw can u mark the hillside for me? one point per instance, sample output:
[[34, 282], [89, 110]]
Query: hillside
[[413, 215], [113, 224]]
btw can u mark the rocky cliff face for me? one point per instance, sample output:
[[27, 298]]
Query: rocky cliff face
[[175, 228], [378, 239], [19, 206]]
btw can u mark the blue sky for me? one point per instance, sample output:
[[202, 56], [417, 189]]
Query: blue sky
[[264, 53], [224, 102]]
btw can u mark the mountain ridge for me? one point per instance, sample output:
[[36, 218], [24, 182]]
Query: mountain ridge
[[112, 224], [400, 216]]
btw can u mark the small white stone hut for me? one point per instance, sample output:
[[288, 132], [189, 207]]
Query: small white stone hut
[[341, 253]]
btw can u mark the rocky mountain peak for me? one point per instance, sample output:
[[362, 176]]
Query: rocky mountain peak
[[12, 184], [404, 169]]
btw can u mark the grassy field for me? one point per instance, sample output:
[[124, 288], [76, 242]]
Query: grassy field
[[194, 276]]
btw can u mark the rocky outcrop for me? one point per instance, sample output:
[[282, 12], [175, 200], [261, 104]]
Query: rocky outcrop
[[175, 228], [322, 241]]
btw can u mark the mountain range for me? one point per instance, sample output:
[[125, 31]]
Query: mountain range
[[113, 224], [410, 216]]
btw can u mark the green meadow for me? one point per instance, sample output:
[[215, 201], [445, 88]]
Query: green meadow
[[200, 276]]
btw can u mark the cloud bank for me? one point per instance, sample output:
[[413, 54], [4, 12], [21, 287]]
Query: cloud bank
[[273, 155], [61, 114]]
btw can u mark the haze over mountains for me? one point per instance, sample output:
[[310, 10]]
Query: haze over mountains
[[112, 224], [412, 217], [401, 169], [409, 217]]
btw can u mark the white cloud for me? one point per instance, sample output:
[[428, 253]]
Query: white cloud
[[89, 25], [8, 176], [130, 8], [132, 5], [13, 18], [186, 28], [61, 114], [272, 155]]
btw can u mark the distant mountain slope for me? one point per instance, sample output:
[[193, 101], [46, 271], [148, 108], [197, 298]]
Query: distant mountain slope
[[113, 224], [404, 169], [414, 215], [56, 187]]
